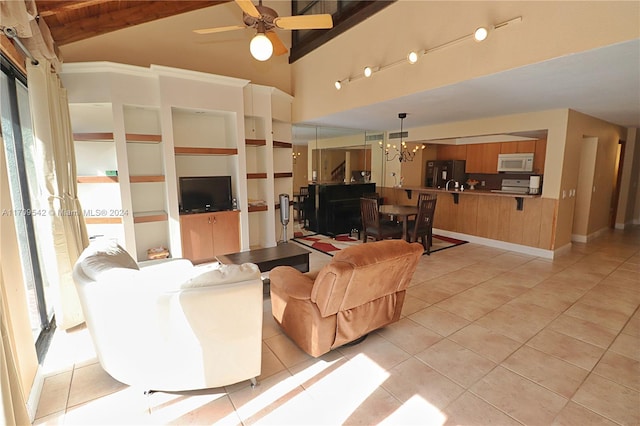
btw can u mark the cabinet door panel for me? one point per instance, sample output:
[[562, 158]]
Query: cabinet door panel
[[197, 241], [490, 157], [226, 232], [475, 153]]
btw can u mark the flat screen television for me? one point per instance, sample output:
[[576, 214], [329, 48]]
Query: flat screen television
[[205, 193]]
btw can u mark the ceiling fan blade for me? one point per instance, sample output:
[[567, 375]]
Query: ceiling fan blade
[[278, 46], [248, 7], [220, 29], [302, 22]]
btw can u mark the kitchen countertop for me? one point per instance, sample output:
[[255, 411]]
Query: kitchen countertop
[[481, 192]]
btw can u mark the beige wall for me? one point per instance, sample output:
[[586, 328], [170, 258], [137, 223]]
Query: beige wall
[[13, 289], [627, 210], [548, 30], [171, 42], [579, 127]]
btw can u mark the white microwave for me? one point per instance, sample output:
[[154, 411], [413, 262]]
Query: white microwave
[[515, 162]]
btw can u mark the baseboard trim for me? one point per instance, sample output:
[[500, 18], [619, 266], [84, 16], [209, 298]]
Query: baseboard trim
[[586, 238], [518, 248], [34, 395]]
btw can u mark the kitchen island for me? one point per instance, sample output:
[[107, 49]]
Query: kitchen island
[[523, 219]]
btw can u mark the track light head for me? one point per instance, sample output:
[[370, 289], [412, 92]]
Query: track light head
[[368, 71], [480, 34]]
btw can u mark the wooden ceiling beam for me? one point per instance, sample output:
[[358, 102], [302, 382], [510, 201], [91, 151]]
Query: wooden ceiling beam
[[94, 21], [52, 7]]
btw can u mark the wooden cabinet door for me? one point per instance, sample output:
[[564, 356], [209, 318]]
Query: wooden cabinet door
[[490, 157], [526, 146], [196, 236], [475, 155], [539, 156], [508, 147], [452, 152], [226, 232]]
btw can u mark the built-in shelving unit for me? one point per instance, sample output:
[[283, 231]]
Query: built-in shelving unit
[[152, 126]]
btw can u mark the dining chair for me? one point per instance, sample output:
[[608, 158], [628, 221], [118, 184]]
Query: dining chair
[[422, 227], [299, 206], [372, 226]]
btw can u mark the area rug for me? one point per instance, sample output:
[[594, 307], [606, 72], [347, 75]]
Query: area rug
[[331, 246]]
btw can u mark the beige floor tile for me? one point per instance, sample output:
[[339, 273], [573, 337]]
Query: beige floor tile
[[633, 326], [412, 305], [381, 351], [286, 350], [270, 363], [54, 419], [377, 406], [609, 297], [439, 320], [512, 322], [546, 370], [54, 395], [606, 317], [465, 306], [567, 348], [456, 362], [310, 372], [127, 406], [252, 404], [194, 408], [409, 336], [583, 330], [573, 414], [414, 378], [91, 382], [490, 344], [627, 345], [472, 411], [427, 293], [514, 282], [620, 369], [522, 399], [609, 399]]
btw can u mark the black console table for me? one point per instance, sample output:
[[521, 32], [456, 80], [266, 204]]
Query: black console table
[[334, 208]]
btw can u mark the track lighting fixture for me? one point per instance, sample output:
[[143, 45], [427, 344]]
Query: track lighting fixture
[[414, 55], [368, 71], [480, 34]]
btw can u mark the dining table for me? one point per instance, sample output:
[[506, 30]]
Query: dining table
[[401, 212]]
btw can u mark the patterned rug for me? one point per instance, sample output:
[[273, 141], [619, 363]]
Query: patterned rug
[[331, 245]]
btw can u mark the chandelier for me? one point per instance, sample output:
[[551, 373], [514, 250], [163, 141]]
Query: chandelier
[[402, 153]]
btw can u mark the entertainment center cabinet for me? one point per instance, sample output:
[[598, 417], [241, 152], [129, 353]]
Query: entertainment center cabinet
[[207, 235], [139, 130]]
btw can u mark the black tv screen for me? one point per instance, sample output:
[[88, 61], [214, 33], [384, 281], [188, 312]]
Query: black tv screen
[[205, 193]]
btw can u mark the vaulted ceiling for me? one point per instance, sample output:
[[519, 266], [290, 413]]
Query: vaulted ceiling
[[75, 20]]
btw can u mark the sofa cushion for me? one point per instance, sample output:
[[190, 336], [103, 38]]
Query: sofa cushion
[[103, 255], [217, 273]]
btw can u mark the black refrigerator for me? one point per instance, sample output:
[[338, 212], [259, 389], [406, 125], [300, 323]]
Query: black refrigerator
[[440, 171]]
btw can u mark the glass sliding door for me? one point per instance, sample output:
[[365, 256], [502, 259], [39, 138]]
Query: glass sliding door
[[29, 215]]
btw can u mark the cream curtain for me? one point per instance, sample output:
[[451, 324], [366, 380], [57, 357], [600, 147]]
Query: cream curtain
[[57, 182]]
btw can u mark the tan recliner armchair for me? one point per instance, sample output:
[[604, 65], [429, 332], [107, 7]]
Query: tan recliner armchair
[[168, 325], [360, 290]]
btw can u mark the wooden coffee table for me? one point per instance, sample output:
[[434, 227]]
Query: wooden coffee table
[[286, 254]]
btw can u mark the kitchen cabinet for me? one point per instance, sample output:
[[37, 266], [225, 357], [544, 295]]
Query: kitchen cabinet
[[517, 147], [482, 158], [207, 235], [539, 156], [451, 152]]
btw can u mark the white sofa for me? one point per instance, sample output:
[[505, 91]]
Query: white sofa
[[170, 325]]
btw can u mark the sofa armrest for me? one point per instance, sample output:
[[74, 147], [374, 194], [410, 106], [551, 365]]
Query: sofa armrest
[[290, 281]]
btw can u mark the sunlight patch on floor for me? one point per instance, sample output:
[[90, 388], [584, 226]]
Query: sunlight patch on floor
[[416, 411]]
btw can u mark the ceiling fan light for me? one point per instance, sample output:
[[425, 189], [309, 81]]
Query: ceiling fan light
[[261, 47], [480, 34]]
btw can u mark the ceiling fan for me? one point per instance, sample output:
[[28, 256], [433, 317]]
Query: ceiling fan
[[265, 20]]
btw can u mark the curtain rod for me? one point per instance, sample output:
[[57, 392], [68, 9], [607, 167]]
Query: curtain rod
[[13, 35]]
